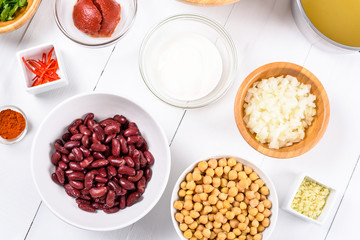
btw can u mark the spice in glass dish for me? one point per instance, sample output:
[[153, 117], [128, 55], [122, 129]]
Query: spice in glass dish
[[310, 199], [12, 124]]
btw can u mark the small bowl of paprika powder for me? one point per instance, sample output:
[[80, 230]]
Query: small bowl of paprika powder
[[13, 124]]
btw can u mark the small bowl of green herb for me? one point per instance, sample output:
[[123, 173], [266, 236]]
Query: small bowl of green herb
[[15, 13]]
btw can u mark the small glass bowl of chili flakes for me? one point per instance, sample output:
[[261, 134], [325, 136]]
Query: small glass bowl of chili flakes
[[13, 124], [42, 68]]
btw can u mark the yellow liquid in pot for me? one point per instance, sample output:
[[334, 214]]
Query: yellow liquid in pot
[[339, 20]]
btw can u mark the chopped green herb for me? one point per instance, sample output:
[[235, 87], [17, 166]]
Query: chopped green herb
[[8, 8]]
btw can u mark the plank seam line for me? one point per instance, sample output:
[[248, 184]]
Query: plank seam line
[[182, 117], [342, 198], [228, 17], [107, 61], [26, 29], [37, 210]]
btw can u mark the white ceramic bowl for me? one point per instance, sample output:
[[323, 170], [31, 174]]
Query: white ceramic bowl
[[22, 135], [36, 53], [103, 105], [326, 210], [272, 196]]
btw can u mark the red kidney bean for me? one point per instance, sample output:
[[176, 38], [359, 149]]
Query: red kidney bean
[[78, 154], [132, 198], [117, 162], [135, 140], [122, 204], [115, 187], [136, 158], [111, 171], [60, 174], [86, 162], [131, 132], [110, 198], [149, 157], [75, 166], [132, 125], [65, 158], [143, 161], [121, 119], [141, 184], [126, 184], [85, 141], [71, 157], [86, 207], [55, 158], [126, 170], [145, 146], [101, 179], [112, 129], [137, 177], [84, 194], [98, 155], [95, 139], [60, 148], [76, 184], [76, 176], [58, 141], [72, 192], [69, 171], [129, 161], [109, 138], [99, 163], [66, 137], [76, 123], [88, 117], [83, 201], [98, 192], [62, 165], [111, 210], [76, 137], [102, 172], [100, 185], [72, 144], [115, 147], [100, 133], [124, 146], [131, 150], [86, 152], [107, 152], [123, 191], [97, 205], [100, 200], [91, 124], [84, 130], [55, 179], [73, 130], [106, 122], [98, 147], [148, 174]]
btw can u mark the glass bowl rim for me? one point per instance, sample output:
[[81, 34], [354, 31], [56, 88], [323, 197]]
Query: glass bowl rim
[[22, 134]]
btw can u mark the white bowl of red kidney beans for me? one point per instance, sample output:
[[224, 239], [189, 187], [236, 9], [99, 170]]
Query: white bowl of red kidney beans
[[100, 161]]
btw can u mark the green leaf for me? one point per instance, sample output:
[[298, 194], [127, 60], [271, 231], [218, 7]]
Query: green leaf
[[12, 11], [5, 12], [22, 3]]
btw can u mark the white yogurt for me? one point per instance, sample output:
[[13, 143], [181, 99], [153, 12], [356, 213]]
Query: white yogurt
[[187, 66]]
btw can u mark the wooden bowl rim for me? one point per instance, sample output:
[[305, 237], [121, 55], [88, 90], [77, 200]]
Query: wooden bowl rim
[[285, 152], [18, 22]]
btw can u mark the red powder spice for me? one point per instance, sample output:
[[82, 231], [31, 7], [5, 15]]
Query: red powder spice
[[12, 124]]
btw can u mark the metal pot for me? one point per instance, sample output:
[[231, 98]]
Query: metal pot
[[315, 37]]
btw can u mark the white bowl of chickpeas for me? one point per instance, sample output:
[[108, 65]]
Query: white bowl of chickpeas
[[223, 198]]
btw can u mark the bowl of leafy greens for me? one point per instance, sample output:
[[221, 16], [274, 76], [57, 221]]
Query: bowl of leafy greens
[[15, 13]]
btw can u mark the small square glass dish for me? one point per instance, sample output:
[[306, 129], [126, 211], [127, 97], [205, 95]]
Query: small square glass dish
[[36, 56], [7, 112], [310, 200]]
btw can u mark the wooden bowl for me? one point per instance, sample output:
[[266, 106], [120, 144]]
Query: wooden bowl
[[209, 2], [312, 134], [21, 17]]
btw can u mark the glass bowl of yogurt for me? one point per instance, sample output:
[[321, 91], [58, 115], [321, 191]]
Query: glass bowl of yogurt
[[188, 61]]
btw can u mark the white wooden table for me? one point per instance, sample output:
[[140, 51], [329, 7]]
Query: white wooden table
[[263, 31]]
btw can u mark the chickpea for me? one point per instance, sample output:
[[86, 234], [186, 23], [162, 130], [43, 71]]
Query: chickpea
[[267, 203], [261, 207], [188, 220], [209, 225], [191, 185], [231, 199], [218, 217], [227, 204], [231, 162], [207, 209], [197, 176], [215, 192], [248, 170], [251, 217], [253, 211], [257, 236], [217, 225], [227, 169], [234, 223], [219, 171], [243, 205], [242, 237], [230, 215], [257, 195], [210, 172], [242, 226], [260, 217], [181, 193], [223, 211], [267, 213], [259, 182], [203, 196], [213, 235], [213, 199], [233, 175], [194, 214], [236, 210], [244, 212], [231, 235], [208, 188], [204, 219], [189, 192], [207, 180], [254, 187], [193, 225], [179, 217], [216, 182], [212, 163], [239, 197], [226, 227], [236, 203], [231, 184], [222, 162], [198, 206], [188, 233], [199, 189], [262, 197], [247, 201], [247, 230], [236, 231], [206, 233], [219, 205], [255, 223], [265, 222], [254, 203], [185, 212], [242, 185], [253, 231], [183, 185], [264, 190], [214, 209], [196, 198], [223, 196], [183, 227], [224, 182], [261, 228], [178, 205], [188, 205], [198, 234], [253, 176], [225, 190], [189, 177], [221, 236], [202, 166], [247, 220], [200, 228]]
